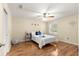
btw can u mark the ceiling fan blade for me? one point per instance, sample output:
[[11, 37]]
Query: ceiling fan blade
[[38, 17], [50, 17]]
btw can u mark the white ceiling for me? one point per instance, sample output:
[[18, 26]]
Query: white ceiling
[[32, 10]]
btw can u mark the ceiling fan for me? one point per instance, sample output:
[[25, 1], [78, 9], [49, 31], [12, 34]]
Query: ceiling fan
[[47, 15], [44, 16]]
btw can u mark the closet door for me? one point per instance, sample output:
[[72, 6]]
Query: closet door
[[5, 26], [5, 30]]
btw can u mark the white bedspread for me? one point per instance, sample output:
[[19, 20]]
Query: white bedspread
[[42, 40]]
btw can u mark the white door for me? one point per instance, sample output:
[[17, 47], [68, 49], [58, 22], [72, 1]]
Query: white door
[[5, 26], [5, 32]]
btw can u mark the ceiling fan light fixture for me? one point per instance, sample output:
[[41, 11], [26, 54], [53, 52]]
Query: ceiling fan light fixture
[[44, 19], [44, 15], [49, 18]]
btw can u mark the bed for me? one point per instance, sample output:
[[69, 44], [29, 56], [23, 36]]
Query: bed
[[43, 39]]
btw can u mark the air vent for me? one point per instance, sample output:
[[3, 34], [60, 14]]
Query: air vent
[[21, 6]]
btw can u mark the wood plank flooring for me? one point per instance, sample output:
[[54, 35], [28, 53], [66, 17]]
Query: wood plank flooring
[[54, 49]]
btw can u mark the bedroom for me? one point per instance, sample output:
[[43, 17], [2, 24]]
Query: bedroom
[[57, 22]]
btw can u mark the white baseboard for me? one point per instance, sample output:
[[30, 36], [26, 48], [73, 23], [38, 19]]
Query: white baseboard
[[69, 42]]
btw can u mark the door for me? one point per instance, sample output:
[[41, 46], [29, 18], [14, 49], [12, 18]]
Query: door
[[5, 26], [5, 32]]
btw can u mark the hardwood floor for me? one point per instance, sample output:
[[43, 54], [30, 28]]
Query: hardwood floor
[[53, 49]]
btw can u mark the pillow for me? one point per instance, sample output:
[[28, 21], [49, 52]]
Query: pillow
[[37, 33]]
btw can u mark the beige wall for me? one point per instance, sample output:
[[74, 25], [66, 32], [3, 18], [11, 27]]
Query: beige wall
[[20, 26], [67, 29]]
